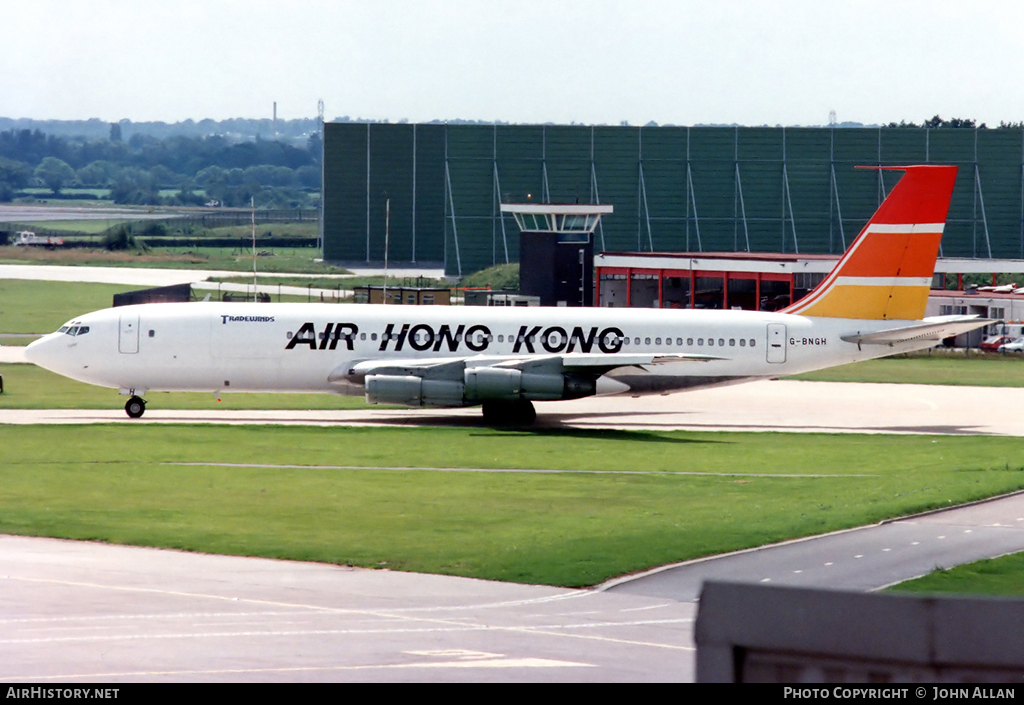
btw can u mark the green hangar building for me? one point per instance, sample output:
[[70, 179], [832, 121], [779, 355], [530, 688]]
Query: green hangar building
[[434, 190]]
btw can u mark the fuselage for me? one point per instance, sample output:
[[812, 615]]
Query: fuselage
[[235, 347]]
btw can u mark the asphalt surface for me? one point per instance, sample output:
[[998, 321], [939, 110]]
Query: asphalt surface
[[17, 213], [779, 405], [867, 558], [76, 612], [152, 277]]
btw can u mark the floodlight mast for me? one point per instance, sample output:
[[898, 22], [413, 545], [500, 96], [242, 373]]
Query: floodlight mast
[[252, 203]]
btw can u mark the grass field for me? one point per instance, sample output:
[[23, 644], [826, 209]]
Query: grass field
[[997, 576], [28, 306], [347, 283], [90, 226], [295, 260], [939, 367], [620, 507], [31, 387]]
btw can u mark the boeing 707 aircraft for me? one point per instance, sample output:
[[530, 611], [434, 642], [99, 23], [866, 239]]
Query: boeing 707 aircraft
[[871, 305]]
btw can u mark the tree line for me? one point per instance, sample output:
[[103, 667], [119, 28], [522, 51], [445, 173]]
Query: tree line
[[276, 173], [962, 123]]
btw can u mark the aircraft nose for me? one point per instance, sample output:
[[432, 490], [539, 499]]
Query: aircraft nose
[[44, 351]]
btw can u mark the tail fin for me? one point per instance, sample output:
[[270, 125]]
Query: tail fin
[[887, 272]]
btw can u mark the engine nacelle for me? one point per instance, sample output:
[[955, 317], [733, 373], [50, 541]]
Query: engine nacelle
[[414, 391], [503, 384], [479, 384]]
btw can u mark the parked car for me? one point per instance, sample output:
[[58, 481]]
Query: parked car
[[1014, 346], [992, 343]]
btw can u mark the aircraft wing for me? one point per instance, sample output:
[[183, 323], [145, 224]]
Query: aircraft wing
[[935, 328], [453, 367]]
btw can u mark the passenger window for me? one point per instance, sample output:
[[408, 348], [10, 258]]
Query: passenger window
[[689, 341], [373, 336], [657, 341], [700, 342], [732, 342], [721, 342], [679, 342], [752, 342], [152, 333], [743, 342], [362, 336], [711, 342], [636, 341], [647, 341]]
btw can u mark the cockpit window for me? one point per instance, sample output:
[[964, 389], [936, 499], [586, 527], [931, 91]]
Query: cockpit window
[[71, 329]]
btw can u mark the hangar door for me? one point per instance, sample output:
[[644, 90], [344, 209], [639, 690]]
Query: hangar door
[[128, 338], [776, 342]]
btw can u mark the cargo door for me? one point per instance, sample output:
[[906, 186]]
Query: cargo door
[[776, 342], [128, 338]]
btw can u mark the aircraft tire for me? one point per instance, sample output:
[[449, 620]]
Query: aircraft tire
[[135, 407], [506, 413]]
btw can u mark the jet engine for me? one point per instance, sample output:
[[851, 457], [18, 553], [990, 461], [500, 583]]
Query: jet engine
[[477, 385]]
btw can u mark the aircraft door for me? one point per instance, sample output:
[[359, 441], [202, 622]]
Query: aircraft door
[[776, 342], [128, 337]]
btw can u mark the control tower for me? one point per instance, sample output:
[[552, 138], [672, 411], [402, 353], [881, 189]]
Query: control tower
[[556, 251]]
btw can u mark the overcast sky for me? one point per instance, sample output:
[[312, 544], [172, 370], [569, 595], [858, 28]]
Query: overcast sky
[[681, 62]]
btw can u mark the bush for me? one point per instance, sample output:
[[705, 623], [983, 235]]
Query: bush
[[122, 238], [503, 277], [154, 228]]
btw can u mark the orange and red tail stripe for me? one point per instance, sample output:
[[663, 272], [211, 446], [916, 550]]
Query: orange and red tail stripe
[[887, 272]]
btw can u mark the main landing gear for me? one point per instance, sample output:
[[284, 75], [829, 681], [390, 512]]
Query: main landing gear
[[135, 407], [509, 413]]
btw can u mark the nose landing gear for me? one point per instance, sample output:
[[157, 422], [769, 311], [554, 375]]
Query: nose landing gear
[[135, 407]]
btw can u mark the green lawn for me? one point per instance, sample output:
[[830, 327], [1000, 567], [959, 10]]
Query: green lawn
[[940, 367], [347, 283], [998, 576], [114, 483], [31, 387], [91, 226], [288, 260], [28, 306]]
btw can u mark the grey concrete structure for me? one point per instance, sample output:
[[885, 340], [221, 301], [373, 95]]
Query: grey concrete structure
[[748, 633]]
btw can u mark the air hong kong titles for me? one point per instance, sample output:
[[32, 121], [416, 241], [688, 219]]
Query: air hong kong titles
[[476, 338]]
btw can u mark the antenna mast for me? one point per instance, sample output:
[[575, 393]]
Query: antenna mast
[[252, 202], [387, 233]]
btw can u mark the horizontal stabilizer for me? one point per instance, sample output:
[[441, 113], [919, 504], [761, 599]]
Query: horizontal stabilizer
[[936, 328]]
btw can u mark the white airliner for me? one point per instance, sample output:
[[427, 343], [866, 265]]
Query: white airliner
[[870, 305]]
